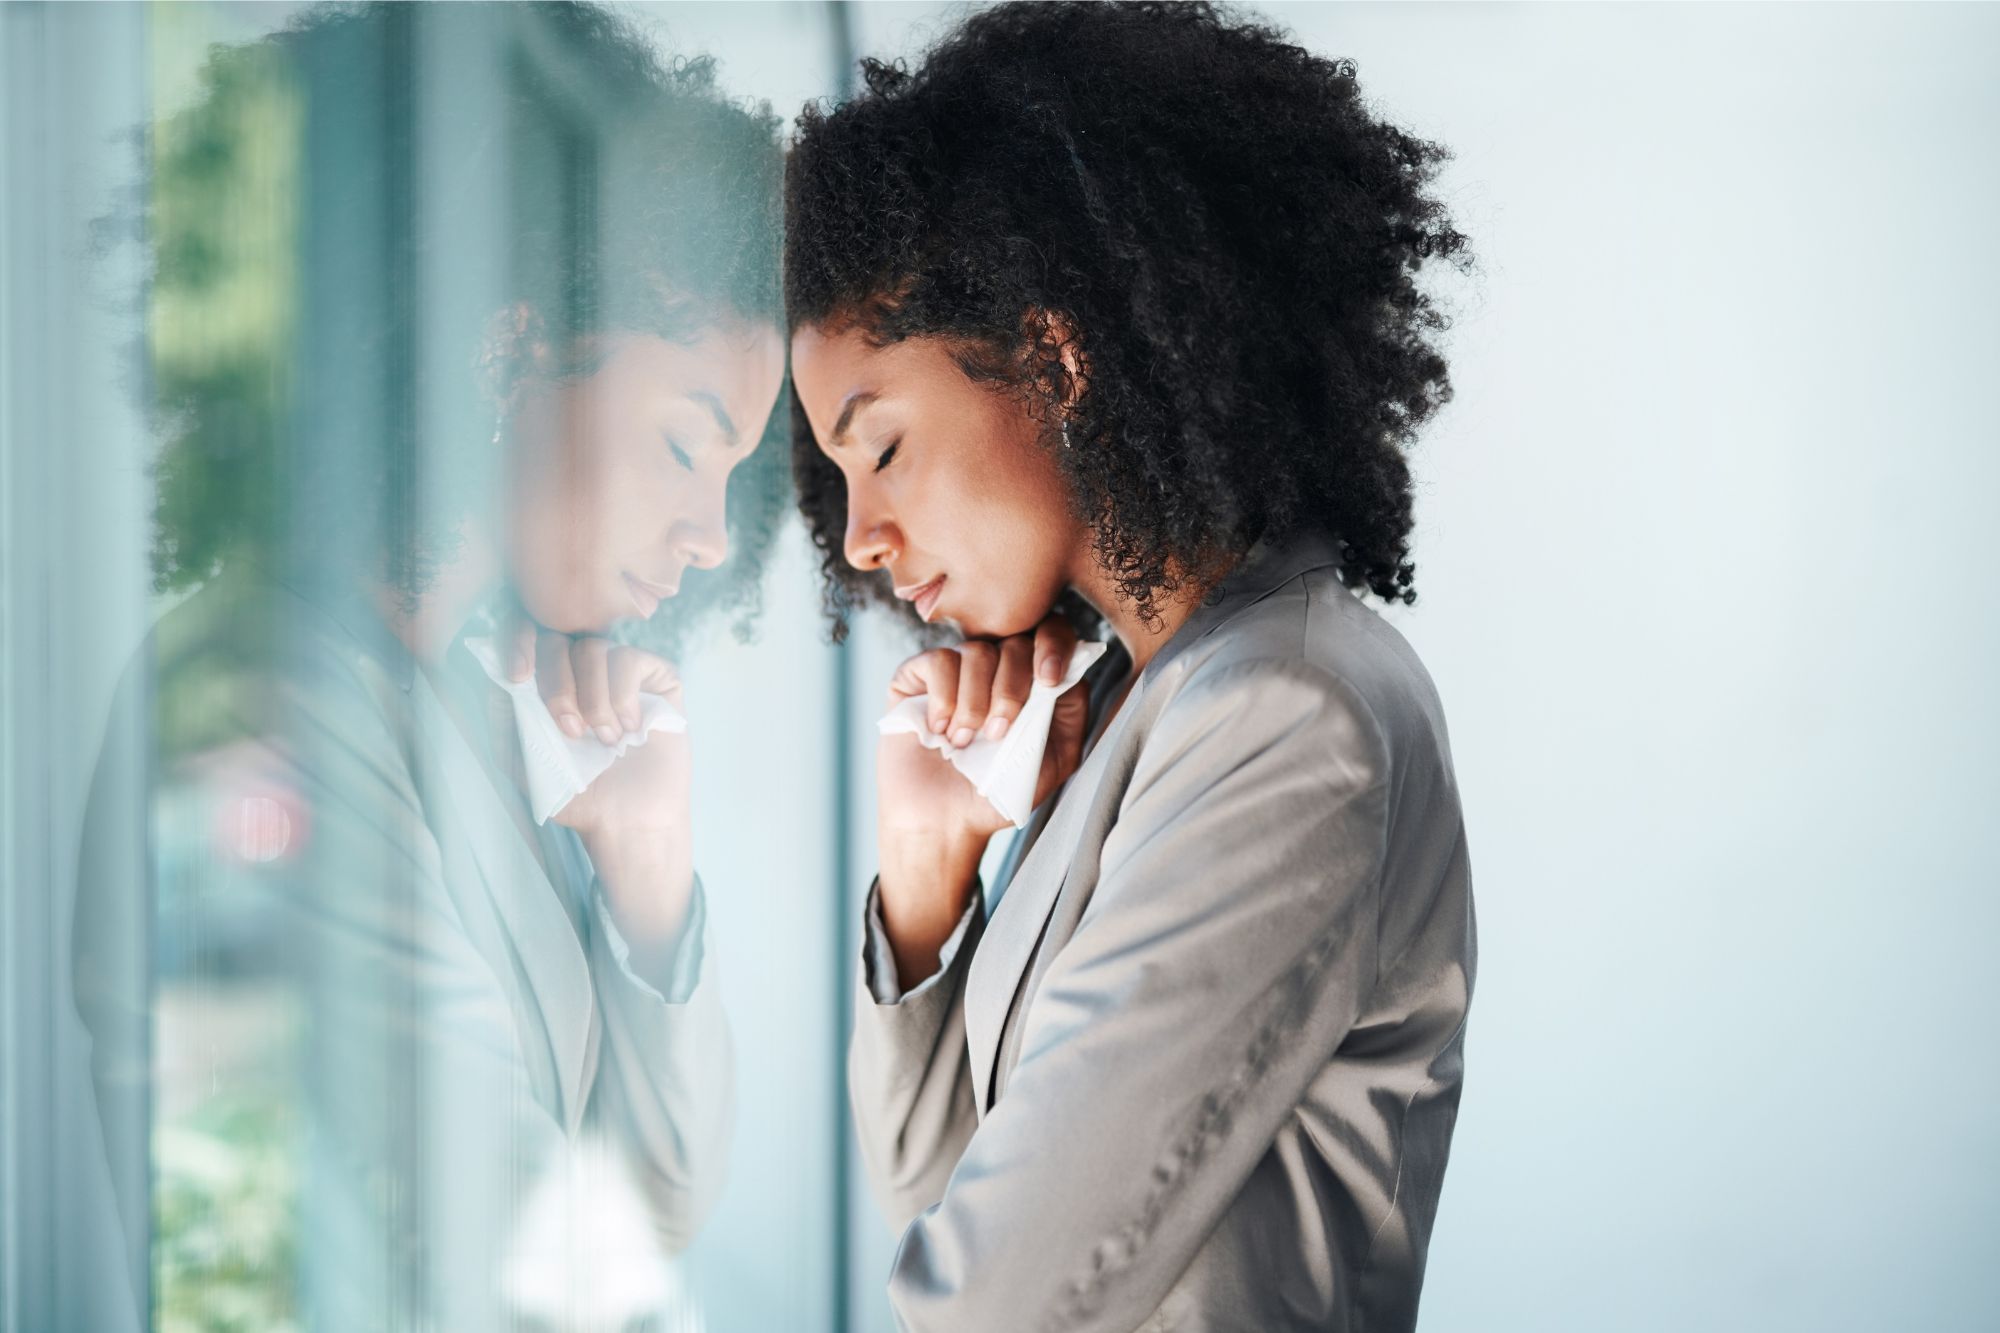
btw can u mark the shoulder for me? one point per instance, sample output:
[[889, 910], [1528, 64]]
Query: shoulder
[[1266, 711], [1312, 662], [246, 660]]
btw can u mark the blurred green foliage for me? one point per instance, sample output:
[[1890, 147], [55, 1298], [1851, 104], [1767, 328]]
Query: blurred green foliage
[[225, 1221], [222, 221]]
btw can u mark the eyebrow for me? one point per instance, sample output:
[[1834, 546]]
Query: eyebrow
[[855, 402], [719, 412]]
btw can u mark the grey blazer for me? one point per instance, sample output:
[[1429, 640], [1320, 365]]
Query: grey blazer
[[471, 1027], [1199, 1069]]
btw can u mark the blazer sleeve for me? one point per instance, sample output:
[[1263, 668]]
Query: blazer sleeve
[[112, 961], [666, 1074], [498, 1215], [909, 1076], [428, 1138], [1226, 950]]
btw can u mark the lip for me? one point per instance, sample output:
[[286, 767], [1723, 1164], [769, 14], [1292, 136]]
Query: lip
[[923, 596], [647, 596]]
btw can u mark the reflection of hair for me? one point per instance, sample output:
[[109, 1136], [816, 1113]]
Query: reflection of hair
[[337, 220], [1214, 212]]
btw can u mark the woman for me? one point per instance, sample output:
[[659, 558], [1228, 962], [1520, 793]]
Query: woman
[[1109, 309], [477, 999]]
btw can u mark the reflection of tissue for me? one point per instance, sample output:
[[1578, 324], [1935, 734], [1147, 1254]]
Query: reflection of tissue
[[585, 1256], [559, 767], [1003, 771]]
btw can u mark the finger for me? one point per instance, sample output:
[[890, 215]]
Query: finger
[[1069, 725], [556, 682], [933, 673], [622, 683], [920, 674], [634, 672], [978, 660], [1055, 641], [588, 660], [1065, 745], [517, 647], [1011, 684]]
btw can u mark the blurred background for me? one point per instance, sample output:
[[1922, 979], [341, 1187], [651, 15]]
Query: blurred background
[[1702, 546]]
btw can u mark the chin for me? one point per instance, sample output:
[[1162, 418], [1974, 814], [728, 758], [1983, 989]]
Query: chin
[[573, 619], [1001, 626], [614, 619]]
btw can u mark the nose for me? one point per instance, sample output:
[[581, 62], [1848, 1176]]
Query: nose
[[703, 545], [699, 533], [871, 540]]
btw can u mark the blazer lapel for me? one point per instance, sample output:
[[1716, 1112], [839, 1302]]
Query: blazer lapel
[[1086, 808], [1010, 865], [506, 903], [1015, 927], [534, 927]]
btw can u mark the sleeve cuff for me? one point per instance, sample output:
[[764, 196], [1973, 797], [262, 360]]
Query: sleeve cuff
[[879, 960], [683, 972]]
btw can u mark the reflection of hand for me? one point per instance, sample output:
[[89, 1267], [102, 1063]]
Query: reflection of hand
[[932, 826], [634, 819]]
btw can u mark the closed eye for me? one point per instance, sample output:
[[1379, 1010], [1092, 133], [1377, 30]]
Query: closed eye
[[680, 454], [888, 454]]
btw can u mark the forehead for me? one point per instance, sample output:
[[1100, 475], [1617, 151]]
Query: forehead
[[831, 365], [822, 356], [728, 359], [735, 348]]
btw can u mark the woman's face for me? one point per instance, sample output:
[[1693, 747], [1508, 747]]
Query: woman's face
[[949, 490], [616, 478]]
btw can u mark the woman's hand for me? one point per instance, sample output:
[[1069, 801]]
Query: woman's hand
[[931, 825], [975, 689], [634, 819]]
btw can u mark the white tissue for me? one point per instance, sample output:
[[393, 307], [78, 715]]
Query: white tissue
[[1003, 771], [559, 766]]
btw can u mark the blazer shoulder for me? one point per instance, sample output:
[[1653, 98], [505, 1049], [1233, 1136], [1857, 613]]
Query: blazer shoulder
[[242, 659], [1313, 632]]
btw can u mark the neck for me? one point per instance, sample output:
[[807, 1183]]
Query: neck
[[1142, 639], [442, 609]]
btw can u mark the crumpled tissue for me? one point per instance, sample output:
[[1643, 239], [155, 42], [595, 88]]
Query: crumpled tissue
[[559, 767], [1003, 771]]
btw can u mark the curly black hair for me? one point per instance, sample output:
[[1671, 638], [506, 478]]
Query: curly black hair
[[330, 248], [1211, 216]]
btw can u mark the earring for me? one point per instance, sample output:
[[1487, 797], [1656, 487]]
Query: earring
[[504, 412], [1065, 432]]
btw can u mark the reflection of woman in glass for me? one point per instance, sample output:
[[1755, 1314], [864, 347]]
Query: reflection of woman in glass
[[1111, 309], [463, 318]]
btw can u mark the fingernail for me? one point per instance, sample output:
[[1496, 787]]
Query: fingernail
[[963, 736], [608, 734], [996, 728], [572, 725], [1048, 671], [937, 724]]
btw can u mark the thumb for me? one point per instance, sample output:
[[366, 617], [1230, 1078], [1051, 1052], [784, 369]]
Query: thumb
[[516, 642], [1071, 722], [658, 676], [1064, 751]]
